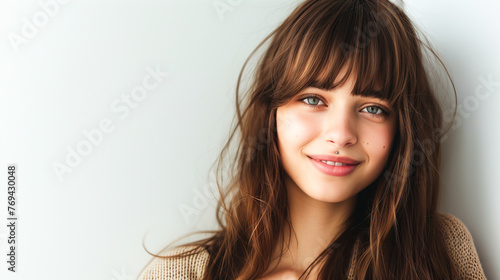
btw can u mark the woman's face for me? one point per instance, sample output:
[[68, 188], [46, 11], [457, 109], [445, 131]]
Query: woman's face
[[316, 123]]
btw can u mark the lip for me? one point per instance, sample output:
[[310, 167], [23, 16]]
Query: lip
[[334, 170]]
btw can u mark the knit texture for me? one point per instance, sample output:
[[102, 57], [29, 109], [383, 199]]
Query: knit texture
[[185, 268], [458, 240], [461, 247]]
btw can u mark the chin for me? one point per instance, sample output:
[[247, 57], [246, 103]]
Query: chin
[[330, 194]]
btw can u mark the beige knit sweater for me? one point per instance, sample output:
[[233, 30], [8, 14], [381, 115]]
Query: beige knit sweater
[[458, 239]]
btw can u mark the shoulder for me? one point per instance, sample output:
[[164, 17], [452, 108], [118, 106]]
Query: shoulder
[[182, 268], [460, 246]]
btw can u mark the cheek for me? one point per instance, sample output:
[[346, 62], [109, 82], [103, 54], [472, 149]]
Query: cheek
[[295, 129], [377, 142]]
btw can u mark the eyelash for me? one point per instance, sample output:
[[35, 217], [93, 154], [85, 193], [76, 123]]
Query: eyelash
[[311, 96], [383, 112]]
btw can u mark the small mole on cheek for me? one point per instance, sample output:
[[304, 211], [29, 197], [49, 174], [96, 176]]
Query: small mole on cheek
[[384, 147]]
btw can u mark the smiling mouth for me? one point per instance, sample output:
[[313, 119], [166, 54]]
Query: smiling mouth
[[335, 168], [334, 160], [332, 163]]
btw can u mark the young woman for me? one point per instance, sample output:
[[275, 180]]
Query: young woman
[[336, 171]]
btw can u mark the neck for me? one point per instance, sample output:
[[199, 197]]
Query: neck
[[315, 225]]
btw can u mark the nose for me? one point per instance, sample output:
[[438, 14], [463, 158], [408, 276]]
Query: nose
[[340, 129]]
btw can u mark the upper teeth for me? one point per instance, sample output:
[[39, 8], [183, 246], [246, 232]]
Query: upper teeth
[[334, 163]]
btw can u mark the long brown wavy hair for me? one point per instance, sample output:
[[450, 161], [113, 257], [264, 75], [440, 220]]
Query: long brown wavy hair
[[394, 229]]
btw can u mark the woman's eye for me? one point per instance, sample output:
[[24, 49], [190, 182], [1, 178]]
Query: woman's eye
[[375, 110], [311, 100]]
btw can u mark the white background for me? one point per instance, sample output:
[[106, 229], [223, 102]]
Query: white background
[[63, 76]]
